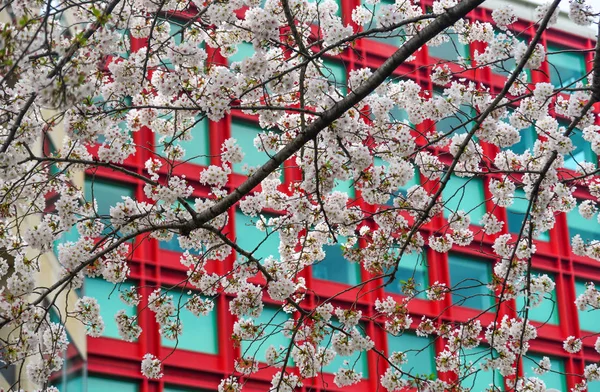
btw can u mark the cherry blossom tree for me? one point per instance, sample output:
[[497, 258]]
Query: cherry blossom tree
[[91, 75]]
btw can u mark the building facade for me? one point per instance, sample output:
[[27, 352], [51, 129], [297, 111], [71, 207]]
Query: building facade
[[205, 353]]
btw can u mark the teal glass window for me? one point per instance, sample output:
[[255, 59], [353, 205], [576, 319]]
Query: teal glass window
[[528, 139], [582, 152], [248, 237], [588, 318], [173, 243], [566, 67], [516, 212], [106, 192], [394, 38], [176, 32], [66, 236], [344, 186], [106, 105], [245, 132], [169, 388], [413, 266], [107, 295], [335, 268], [399, 115], [78, 383], [457, 123], [553, 378], [468, 280], [450, 50], [356, 361], [102, 384], [192, 325], [272, 320], [508, 66], [467, 194], [336, 73], [244, 50], [547, 311], [479, 379], [197, 149], [588, 229], [420, 353], [593, 386], [73, 384], [505, 68]]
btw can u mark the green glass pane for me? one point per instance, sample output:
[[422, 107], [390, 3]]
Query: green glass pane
[[98, 384], [420, 352], [182, 389], [507, 67], [272, 320], [197, 149], [593, 386], [346, 186], [69, 236], [454, 123], [73, 384], [175, 30], [109, 302], [415, 180], [244, 50], [552, 378], [516, 213], [588, 318], [356, 361], [106, 192], [335, 267], [398, 114], [588, 229], [336, 73], [582, 152], [468, 280], [479, 379], [412, 266], [565, 68], [395, 37], [463, 193], [245, 132], [192, 325], [107, 105], [450, 50], [547, 311], [173, 243], [249, 237], [66, 382]]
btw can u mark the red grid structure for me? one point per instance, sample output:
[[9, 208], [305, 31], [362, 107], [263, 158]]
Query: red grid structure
[[155, 267]]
